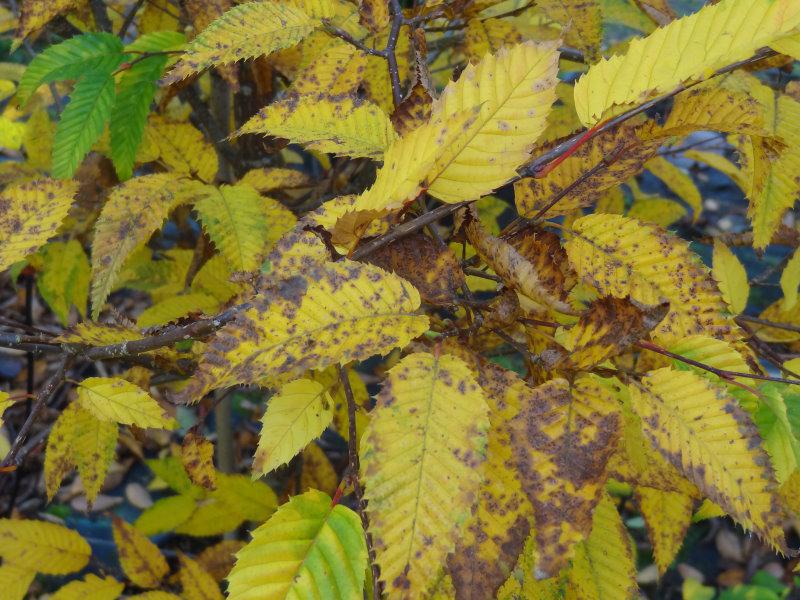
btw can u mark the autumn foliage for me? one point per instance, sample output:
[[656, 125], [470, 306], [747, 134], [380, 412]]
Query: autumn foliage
[[405, 299]]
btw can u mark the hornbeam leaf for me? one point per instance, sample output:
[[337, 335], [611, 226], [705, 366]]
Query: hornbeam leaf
[[332, 313], [250, 30], [42, 546], [101, 52], [562, 440], [16, 580], [82, 121], [706, 435], [420, 461], [235, 222], [183, 148], [30, 214], [731, 277], [308, 549], [64, 279], [667, 516], [604, 567], [139, 558], [687, 49], [677, 181], [133, 211], [296, 415], [120, 401], [623, 257], [196, 582], [582, 22], [790, 281], [495, 534], [345, 126], [92, 587]]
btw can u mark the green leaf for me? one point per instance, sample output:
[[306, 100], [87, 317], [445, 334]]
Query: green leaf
[[70, 60], [82, 122], [775, 429], [135, 93], [157, 41]]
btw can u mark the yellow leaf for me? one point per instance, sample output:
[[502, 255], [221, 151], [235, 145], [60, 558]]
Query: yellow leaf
[[514, 90], [91, 587], [78, 439], [64, 278], [15, 580], [30, 214], [317, 473], [265, 180], [196, 583], [133, 211], [166, 514], [159, 15], [344, 126], [333, 313], [775, 313], [621, 257], [38, 140], [720, 163], [307, 549], [297, 414], [35, 14], [336, 71], [487, 36], [140, 558], [233, 220], [604, 566], [43, 547], [562, 440], [197, 455], [210, 518], [12, 133], [731, 277], [667, 516], [173, 308], [119, 401], [250, 30], [5, 402], [252, 499], [183, 148], [214, 279], [495, 533], [677, 181], [790, 280], [687, 49], [706, 435], [659, 211], [374, 14], [157, 595], [421, 451], [582, 22]]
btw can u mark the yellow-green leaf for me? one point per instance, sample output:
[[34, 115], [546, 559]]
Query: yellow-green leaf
[[307, 549], [297, 414], [790, 280], [731, 277], [64, 278], [166, 514], [120, 401]]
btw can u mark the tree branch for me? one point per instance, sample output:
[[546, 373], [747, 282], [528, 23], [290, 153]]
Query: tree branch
[[353, 468]]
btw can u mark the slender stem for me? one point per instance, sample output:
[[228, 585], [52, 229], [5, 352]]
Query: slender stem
[[100, 15], [391, 51], [767, 323], [341, 33], [129, 17], [48, 389], [353, 467]]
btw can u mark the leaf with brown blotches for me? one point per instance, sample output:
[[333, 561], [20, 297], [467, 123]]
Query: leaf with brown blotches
[[515, 270], [141, 560], [420, 467], [607, 328], [330, 314], [431, 267], [667, 516], [562, 440], [197, 455], [414, 110]]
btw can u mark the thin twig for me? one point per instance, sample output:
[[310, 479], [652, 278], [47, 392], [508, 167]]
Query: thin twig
[[353, 467], [100, 15], [129, 17], [768, 323], [341, 33], [391, 51]]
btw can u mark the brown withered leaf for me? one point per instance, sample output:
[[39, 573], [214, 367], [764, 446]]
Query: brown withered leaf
[[543, 249], [606, 329], [625, 152], [197, 455], [502, 311], [414, 110], [529, 278], [218, 559], [562, 440], [432, 268]]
